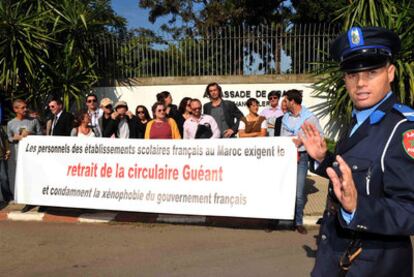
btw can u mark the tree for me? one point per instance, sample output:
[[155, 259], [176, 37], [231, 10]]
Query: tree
[[46, 47], [194, 16], [312, 17], [200, 19], [394, 15]]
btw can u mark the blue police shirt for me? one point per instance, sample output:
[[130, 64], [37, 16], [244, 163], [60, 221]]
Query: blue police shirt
[[361, 116]]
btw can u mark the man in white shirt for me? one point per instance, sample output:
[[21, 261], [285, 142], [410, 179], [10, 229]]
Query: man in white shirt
[[191, 125], [94, 111], [272, 112]]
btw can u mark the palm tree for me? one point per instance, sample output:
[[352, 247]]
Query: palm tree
[[46, 47]]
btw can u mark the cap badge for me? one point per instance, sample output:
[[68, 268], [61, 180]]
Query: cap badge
[[355, 37]]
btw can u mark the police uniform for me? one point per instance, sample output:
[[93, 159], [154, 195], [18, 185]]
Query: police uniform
[[380, 153]]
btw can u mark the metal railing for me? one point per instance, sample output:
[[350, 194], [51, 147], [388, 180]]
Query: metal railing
[[294, 49]]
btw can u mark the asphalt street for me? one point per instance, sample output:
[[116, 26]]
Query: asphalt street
[[64, 249]]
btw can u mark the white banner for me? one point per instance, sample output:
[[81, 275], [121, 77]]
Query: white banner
[[224, 177]]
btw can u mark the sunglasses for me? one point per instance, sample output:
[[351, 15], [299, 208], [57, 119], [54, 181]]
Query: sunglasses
[[91, 101], [140, 112], [108, 107], [273, 97]]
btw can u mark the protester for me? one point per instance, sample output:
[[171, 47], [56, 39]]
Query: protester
[[142, 119], [94, 112], [273, 112], [106, 106], [283, 106], [161, 127], [252, 125], [278, 121], [6, 194], [83, 127], [171, 110], [184, 112], [17, 129], [224, 112], [62, 122], [122, 123], [200, 125], [291, 126], [366, 228]]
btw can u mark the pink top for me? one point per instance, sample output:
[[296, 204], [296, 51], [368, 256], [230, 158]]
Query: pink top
[[160, 130]]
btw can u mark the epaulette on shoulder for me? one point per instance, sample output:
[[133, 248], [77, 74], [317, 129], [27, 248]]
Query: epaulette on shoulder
[[406, 111]]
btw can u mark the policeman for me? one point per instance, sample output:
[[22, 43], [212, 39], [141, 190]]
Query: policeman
[[369, 218]]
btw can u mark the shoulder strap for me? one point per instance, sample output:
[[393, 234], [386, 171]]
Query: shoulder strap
[[405, 111]]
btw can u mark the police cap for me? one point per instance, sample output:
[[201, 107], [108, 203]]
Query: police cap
[[365, 48]]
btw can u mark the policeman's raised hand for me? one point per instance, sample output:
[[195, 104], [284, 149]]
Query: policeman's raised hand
[[313, 141], [343, 185]]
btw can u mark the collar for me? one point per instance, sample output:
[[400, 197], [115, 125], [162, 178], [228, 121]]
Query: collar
[[96, 112], [275, 108], [59, 114], [195, 119], [299, 114], [374, 115]]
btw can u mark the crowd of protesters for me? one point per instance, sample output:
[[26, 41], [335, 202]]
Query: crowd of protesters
[[218, 118]]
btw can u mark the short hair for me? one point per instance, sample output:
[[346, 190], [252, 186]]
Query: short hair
[[250, 101], [146, 113], [79, 116], [295, 95], [207, 93], [183, 105], [57, 100], [154, 107], [91, 95], [195, 100], [162, 95], [18, 102], [273, 93]]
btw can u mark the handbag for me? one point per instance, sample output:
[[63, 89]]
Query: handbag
[[203, 131]]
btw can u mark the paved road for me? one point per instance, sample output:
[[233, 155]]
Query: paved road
[[58, 249]]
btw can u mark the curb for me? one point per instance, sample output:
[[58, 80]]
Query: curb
[[131, 217]]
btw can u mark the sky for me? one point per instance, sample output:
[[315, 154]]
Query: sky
[[135, 16]]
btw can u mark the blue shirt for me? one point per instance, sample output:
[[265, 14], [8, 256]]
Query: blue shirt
[[361, 116]]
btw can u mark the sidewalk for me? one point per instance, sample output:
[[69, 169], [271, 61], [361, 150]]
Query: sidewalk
[[316, 190]]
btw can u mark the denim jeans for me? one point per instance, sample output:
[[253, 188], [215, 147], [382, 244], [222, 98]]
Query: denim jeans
[[300, 187]]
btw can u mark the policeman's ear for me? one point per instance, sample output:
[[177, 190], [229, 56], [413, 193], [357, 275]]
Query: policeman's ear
[[391, 72]]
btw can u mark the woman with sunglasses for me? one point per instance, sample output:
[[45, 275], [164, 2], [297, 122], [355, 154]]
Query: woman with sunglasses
[[184, 113], [161, 127], [83, 126], [252, 125], [143, 117]]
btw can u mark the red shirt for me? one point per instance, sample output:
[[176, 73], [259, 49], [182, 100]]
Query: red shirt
[[160, 130]]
